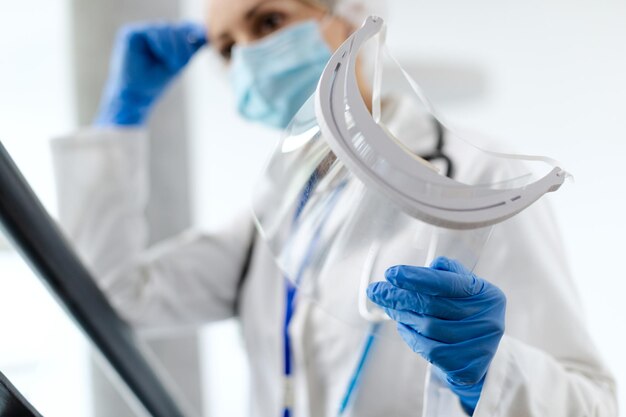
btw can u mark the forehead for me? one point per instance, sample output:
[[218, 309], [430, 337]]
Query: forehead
[[225, 14], [224, 9]]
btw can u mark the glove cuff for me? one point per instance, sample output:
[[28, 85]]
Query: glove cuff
[[468, 394]]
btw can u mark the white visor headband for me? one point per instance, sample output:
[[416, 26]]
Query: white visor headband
[[391, 168]]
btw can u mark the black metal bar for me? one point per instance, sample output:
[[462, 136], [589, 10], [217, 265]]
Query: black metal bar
[[12, 402], [42, 244]]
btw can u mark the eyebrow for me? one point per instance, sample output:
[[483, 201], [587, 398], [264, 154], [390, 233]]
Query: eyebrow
[[250, 13]]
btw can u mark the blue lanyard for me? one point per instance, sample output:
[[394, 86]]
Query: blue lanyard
[[358, 371], [289, 310], [290, 306]]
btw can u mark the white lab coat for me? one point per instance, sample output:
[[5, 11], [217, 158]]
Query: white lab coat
[[546, 364]]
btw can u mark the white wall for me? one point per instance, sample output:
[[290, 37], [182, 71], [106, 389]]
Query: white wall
[[556, 83], [35, 104], [42, 351], [548, 76]]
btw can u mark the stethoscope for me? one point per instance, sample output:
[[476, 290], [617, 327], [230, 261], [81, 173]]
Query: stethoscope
[[375, 319], [438, 154]]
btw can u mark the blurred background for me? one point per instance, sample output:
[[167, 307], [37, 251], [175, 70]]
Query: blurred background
[[545, 77]]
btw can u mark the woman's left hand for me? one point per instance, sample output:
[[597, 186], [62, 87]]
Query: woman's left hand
[[451, 317]]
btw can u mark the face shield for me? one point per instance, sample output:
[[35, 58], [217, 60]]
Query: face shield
[[350, 192]]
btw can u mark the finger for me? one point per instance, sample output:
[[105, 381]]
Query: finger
[[443, 355], [418, 343], [435, 282], [188, 38], [440, 330], [387, 295], [174, 45], [196, 34], [442, 263]]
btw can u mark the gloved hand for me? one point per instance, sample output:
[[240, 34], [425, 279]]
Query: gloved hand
[[452, 318], [145, 59]]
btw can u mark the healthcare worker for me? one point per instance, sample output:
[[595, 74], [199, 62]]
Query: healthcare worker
[[506, 340]]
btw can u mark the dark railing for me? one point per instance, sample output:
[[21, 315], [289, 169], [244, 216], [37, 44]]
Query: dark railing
[[35, 234], [12, 403]]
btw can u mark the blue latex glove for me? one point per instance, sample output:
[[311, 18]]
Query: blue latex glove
[[145, 59], [452, 318]]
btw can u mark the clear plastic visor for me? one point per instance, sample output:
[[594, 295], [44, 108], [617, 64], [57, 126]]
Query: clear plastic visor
[[332, 234]]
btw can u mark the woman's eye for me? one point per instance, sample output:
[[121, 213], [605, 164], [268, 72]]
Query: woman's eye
[[270, 23], [226, 51]]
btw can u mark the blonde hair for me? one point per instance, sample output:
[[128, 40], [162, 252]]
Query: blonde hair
[[326, 4], [355, 11]]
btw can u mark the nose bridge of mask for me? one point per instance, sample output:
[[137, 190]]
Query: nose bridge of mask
[[379, 161], [274, 76], [277, 42]]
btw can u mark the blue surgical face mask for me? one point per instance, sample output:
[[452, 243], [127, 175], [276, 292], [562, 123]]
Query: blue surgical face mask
[[272, 78]]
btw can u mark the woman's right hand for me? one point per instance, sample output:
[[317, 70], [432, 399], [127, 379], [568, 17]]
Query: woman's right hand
[[145, 59]]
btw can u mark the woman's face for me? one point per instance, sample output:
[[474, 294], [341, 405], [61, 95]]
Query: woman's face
[[241, 22]]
